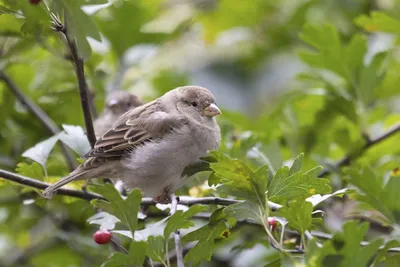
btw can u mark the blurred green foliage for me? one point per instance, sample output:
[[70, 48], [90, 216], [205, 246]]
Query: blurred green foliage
[[301, 83]]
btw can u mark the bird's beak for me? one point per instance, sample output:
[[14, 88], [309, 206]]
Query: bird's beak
[[212, 110]]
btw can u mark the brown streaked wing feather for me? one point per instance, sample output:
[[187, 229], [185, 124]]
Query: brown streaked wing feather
[[134, 128]]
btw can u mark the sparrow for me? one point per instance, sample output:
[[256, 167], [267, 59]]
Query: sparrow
[[117, 103], [150, 146]]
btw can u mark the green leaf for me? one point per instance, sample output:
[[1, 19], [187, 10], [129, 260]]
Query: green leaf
[[297, 163], [381, 256], [180, 220], [332, 55], [5, 10], [393, 261], [40, 152], [213, 179], [371, 77], [135, 257], [122, 14], [344, 248], [384, 199], [82, 22], [155, 248], [33, 170], [80, 25], [118, 260], [75, 138], [379, 21], [125, 210], [206, 235], [244, 210], [299, 215], [137, 252], [201, 251], [105, 220], [195, 168], [288, 184], [239, 180]]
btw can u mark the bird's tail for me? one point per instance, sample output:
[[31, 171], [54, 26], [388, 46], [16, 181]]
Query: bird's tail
[[49, 191]]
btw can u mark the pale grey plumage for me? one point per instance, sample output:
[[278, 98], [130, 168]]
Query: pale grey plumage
[[117, 103], [149, 146]]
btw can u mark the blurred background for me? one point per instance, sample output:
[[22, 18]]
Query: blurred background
[[272, 66]]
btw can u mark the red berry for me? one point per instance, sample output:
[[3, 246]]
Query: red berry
[[272, 223], [102, 237], [34, 2]]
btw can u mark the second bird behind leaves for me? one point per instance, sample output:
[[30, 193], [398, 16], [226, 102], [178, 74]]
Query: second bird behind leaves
[[117, 103], [150, 146]]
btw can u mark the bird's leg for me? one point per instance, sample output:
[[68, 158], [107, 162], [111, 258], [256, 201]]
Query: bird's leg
[[164, 198], [85, 185]]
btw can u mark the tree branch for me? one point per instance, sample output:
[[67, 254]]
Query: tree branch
[[83, 91], [80, 74], [41, 185], [177, 238], [188, 201], [35, 110], [345, 161]]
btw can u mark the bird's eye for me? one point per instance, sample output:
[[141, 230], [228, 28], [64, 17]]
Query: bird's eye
[[194, 103]]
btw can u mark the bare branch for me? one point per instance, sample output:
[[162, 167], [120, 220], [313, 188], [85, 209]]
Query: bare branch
[[345, 161], [188, 201], [41, 185], [35, 110], [177, 238], [80, 74]]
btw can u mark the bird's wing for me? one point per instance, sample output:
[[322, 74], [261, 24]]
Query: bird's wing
[[134, 128]]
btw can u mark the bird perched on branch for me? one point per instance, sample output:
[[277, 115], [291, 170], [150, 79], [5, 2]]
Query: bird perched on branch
[[117, 103], [150, 146]]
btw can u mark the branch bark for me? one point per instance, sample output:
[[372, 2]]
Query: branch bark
[[345, 161], [35, 110], [83, 90], [80, 74], [177, 238], [188, 201]]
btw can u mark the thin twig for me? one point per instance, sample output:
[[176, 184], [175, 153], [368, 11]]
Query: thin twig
[[177, 238], [34, 109], [188, 201], [41, 185], [345, 161], [80, 74]]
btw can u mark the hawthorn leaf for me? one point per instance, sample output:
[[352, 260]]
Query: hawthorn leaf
[[244, 210], [180, 220], [75, 137], [239, 180], [298, 214], [40, 152], [33, 170], [106, 220], [125, 210], [285, 187], [155, 248]]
